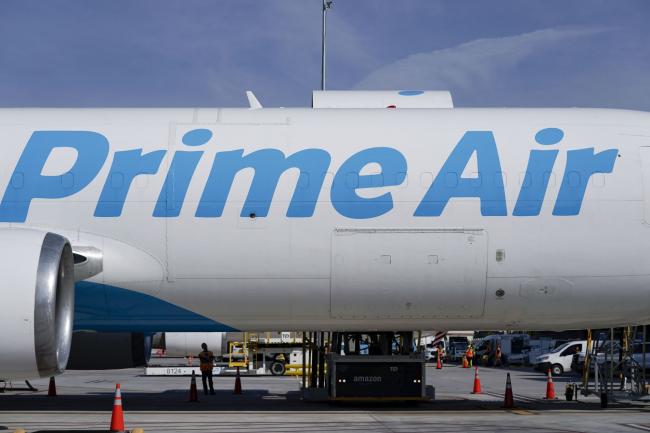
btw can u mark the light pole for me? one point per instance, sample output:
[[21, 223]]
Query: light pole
[[327, 4]]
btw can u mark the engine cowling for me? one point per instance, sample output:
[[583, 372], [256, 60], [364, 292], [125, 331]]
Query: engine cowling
[[37, 292]]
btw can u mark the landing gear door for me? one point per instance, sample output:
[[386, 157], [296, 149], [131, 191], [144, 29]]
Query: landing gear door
[[408, 273]]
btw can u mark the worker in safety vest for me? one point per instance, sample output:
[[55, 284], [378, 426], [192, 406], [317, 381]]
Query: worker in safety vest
[[207, 360], [487, 354], [469, 354], [497, 357]]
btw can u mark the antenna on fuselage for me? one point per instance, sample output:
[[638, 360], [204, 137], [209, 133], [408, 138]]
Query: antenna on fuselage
[[327, 4], [253, 102]]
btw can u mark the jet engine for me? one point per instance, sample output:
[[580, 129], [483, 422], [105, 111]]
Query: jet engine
[[37, 293]]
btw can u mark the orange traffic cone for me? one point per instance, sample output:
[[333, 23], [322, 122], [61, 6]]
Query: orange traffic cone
[[508, 401], [438, 364], [51, 390], [194, 395], [465, 363], [237, 383], [117, 417], [550, 388], [477, 383]]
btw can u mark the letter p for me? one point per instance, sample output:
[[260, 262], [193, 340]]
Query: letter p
[[28, 182]]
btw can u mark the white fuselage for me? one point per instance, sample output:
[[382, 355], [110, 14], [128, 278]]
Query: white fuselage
[[372, 247]]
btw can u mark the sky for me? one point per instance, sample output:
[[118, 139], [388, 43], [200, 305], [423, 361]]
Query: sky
[[527, 53]]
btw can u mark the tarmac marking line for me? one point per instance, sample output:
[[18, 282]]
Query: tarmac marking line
[[523, 412], [639, 426]]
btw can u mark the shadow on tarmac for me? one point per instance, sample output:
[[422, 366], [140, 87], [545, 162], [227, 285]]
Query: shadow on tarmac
[[262, 400]]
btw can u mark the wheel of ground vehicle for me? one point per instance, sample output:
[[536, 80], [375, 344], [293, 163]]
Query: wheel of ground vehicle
[[557, 370], [278, 368]]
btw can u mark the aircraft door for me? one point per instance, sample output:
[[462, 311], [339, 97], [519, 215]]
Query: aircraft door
[[408, 273]]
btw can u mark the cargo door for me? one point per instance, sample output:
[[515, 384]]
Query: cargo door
[[408, 273]]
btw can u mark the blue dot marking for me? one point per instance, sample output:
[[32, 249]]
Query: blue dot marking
[[549, 136], [197, 137], [410, 92]]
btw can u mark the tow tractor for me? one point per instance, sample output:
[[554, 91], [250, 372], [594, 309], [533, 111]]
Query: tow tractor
[[365, 366]]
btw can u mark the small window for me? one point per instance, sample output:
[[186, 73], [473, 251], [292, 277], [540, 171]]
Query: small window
[[549, 177], [500, 179], [17, 180], [352, 180], [141, 182], [426, 179], [376, 180], [598, 180], [478, 179], [67, 180], [117, 180], [303, 181], [573, 179], [572, 350], [402, 175], [451, 179]]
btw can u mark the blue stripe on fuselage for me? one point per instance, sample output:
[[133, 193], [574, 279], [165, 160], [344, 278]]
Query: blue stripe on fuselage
[[106, 308]]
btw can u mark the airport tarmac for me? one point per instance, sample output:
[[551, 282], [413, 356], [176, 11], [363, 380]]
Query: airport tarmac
[[273, 404]]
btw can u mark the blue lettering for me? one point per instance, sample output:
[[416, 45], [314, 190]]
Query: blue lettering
[[488, 186], [126, 166], [344, 196], [540, 166], [92, 150], [580, 165], [171, 198], [28, 182], [269, 164]]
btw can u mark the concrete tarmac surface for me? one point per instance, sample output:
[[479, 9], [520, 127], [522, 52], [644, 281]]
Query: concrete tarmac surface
[[273, 404]]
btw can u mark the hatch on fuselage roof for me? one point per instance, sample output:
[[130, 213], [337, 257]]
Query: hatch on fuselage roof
[[382, 99]]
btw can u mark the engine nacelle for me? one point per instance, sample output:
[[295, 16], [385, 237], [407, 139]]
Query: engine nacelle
[[37, 293]]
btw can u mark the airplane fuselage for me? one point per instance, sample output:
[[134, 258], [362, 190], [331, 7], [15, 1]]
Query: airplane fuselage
[[311, 219]]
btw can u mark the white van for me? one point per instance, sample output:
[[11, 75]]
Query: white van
[[559, 359], [514, 348]]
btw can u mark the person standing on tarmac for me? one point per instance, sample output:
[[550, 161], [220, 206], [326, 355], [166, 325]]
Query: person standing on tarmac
[[207, 360], [487, 355], [440, 352], [498, 362], [469, 354]]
